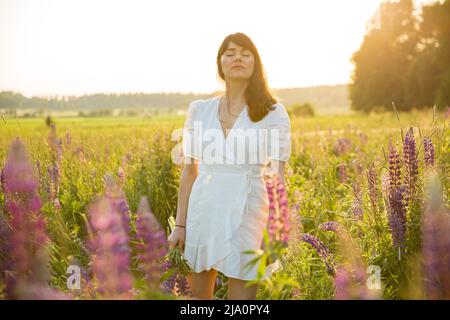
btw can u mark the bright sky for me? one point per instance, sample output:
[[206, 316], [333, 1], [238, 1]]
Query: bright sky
[[63, 47]]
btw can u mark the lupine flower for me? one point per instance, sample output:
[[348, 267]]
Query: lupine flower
[[436, 242], [357, 206], [116, 196], [54, 180], [110, 252], [372, 181], [152, 243], [342, 145], [397, 215], [428, 152], [27, 238], [321, 249], [330, 226], [411, 163], [342, 173], [284, 212], [279, 213], [394, 167], [176, 283], [272, 225]]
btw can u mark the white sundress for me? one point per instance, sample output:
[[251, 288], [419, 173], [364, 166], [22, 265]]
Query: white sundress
[[228, 205]]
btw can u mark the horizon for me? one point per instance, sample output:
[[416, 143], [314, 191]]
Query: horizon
[[46, 51]]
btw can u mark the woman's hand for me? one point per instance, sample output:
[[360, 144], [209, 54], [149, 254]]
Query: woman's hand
[[177, 238]]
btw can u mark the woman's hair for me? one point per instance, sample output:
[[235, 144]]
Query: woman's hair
[[257, 94]]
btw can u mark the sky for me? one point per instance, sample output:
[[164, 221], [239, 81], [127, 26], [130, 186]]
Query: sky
[[65, 47]]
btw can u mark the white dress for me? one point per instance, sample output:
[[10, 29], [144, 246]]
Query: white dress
[[228, 205]]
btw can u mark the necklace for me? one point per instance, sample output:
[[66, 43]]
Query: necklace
[[228, 108]]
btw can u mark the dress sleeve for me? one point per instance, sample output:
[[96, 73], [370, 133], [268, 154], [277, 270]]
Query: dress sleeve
[[190, 132], [279, 135]]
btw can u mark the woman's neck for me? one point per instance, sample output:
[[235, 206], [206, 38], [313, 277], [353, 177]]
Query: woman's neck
[[235, 92]]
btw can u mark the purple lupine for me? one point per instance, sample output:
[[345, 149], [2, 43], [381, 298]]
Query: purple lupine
[[176, 284], [372, 182], [330, 226], [342, 146], [152, 243], [27, 239], [436, 242], [342, 173], [428, 152], [411, 164], [397, 216], [110, 252], [55, 178], [321, 249], [116, 196], [357, 206]]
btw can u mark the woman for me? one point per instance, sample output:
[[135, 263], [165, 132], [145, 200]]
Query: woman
[[223, 203]]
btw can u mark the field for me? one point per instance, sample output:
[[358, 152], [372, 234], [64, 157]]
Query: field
[[368, 220]]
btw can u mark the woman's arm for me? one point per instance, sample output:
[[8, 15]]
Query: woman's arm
[[188, 176]]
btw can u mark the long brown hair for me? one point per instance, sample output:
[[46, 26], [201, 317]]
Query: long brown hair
[[257, 94]]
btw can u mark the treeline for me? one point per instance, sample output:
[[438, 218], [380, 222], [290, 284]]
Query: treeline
[[13, 100], [404, 58], [324, 99]]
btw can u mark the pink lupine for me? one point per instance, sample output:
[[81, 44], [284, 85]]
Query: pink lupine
[[27, 237], [152, 243], [110, 252], [272, 225], [284, 212], [279, 214], [116, 196]]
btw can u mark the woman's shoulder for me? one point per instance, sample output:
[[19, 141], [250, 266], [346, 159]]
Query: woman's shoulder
[[201, 104], [278, 111]]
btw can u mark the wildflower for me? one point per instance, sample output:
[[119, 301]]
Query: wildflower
[[110, 253], [411, 164], [152, 246], [321, 249], [428, 152]]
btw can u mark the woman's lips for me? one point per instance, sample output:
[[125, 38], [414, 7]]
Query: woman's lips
[[238, 67]]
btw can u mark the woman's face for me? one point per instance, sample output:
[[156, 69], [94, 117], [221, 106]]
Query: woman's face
[[237, 62]]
